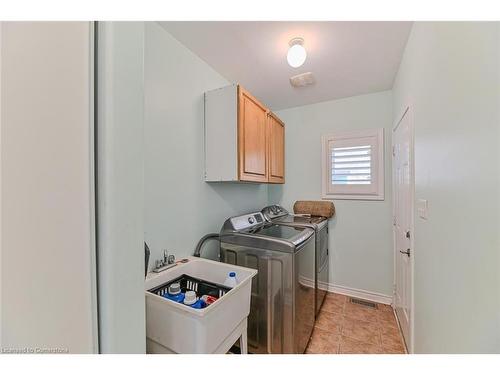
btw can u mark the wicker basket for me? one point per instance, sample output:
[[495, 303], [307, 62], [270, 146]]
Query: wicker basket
[[314, 208]]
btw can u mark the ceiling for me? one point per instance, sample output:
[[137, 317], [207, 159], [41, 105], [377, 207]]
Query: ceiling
[[346, 58]]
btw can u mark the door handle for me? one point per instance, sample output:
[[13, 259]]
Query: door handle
[[407, 252]]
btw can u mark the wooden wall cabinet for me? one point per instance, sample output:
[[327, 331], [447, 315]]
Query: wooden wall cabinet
[[244, 140], [276, 152], [252, 138]]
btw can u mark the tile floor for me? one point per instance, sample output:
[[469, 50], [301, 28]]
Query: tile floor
[[346, 328]]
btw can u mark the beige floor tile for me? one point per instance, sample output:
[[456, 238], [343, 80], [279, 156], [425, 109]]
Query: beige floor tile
[[350, 346], [368, 332], [361, 312], [321, 334], [384, 307], [392, 351], [345, 327], [390, 327], [386, 316], [392, 342], [318, 348], [331, 322], [323, 342], [338, 298], [332, 306]]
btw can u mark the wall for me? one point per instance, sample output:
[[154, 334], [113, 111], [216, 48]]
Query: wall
[[120, 181], [47, 178], [449, 77], [361, 232], [179, 206]]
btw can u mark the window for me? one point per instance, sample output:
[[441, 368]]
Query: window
[[353, 165]]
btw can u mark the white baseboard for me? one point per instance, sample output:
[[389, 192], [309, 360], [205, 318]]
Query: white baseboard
[[351, 292], [358, 293]]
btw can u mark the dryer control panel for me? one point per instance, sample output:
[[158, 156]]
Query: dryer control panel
[[274, 211]]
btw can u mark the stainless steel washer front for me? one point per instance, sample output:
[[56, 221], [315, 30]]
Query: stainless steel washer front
[[282, 304]]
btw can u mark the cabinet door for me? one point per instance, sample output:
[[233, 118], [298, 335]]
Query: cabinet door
[[276, 136], [252, 139]]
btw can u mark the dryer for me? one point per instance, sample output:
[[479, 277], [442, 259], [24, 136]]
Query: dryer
[[278, 215]]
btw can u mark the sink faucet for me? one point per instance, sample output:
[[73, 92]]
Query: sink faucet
[[167, 262]]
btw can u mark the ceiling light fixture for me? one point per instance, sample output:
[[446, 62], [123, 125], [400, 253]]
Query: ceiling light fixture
[[297, 54]]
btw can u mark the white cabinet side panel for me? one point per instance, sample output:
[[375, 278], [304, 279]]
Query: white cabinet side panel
[[221, 134]]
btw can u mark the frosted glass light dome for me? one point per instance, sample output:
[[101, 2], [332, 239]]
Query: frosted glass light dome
[[297, 54]]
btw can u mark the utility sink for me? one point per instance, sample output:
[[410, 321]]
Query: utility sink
[[173, 327]]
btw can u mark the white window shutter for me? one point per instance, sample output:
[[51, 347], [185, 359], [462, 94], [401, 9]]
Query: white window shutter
[[353, 165]]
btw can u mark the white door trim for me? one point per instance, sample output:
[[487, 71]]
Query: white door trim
[[410, 345]]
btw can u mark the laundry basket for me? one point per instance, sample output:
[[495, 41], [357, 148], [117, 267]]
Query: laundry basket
[[199, 286]]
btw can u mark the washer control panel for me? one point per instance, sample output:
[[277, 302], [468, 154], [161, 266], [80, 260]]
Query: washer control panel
[[247, 221]]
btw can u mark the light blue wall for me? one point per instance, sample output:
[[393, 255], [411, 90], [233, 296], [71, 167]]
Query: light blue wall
[[361, 232], [120, 194], [179, 206], [449, 77]]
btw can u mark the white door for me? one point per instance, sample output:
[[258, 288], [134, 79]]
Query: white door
[[403, 214]]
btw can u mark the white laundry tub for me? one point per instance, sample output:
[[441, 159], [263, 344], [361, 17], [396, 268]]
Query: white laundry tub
[[172, 327]]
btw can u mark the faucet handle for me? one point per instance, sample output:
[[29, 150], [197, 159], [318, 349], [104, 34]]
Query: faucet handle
[[171, 259]]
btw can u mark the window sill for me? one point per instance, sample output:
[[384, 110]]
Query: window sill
[[354, 197]]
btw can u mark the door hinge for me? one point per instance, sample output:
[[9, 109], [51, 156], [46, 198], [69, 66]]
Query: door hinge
[[393, 151]]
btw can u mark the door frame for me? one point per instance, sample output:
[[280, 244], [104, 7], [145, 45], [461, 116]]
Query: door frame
[[407, 111]]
